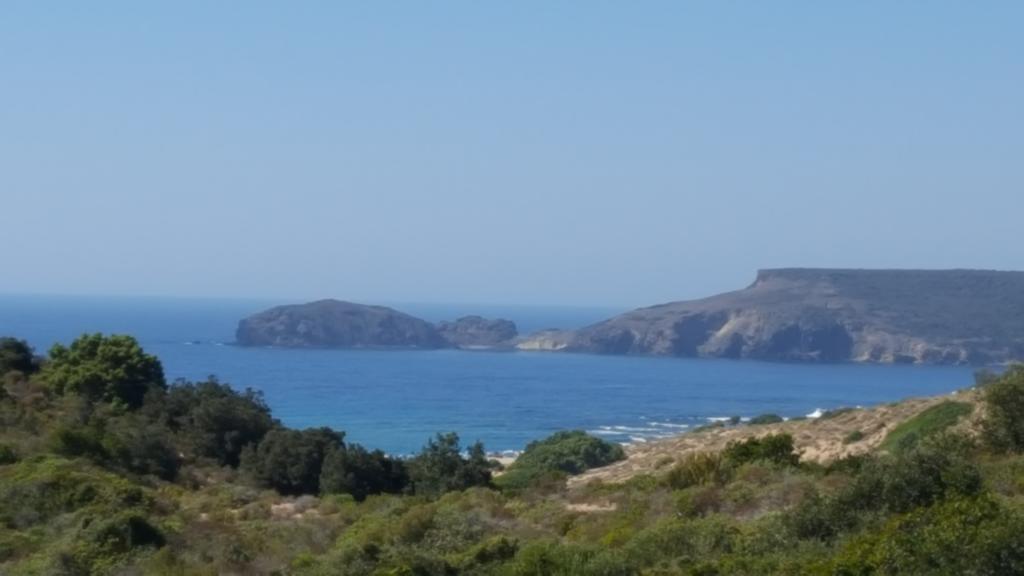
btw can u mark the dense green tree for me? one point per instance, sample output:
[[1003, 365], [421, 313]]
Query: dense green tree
[[211, 419], [355, 470], [440, 467], [567, 452], [17, 355], [291, 461], [1004, 407], [775, 448], [104, 368]]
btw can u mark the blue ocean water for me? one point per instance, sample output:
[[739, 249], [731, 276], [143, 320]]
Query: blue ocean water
[[395, 400]]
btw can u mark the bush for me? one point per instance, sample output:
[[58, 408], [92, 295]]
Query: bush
[[104, 368], [567, 452], [1004, 411], [931, 421], [291, 461], [440, 467], [354, 470], [697, 469], [212, 420], [853, 437], [7, 455], [959, 536], [775, 448], [766, 419], [17, 356]]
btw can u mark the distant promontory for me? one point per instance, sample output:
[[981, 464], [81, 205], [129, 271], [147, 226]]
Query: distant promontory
[[340, 324], [826, 315]]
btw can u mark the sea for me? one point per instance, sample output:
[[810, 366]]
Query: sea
[[396, 399]]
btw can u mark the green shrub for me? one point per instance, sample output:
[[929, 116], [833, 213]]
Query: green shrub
[[960, 536], [1004, 411], [930, 421], [17, 356], [567, 452], [291, 461], [440, 467], [354, 470], [853, 437], [7, 455], [766, 419], [104, 368], [775, 448], [212, 420], [697, 469]]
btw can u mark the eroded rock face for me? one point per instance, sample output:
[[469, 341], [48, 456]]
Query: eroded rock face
[[337, 324], [823, 315], [478, 332]]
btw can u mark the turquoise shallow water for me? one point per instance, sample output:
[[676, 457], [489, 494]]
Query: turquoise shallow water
[[394, 400]]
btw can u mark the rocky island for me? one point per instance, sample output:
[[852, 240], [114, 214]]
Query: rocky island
[[340, 324], [826, 315]]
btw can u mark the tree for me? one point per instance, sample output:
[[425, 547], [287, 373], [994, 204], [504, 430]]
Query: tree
[[440, 467], [17, 355], [1004, 411], [104, 368], [359, 472], [211, 419], [566, 452], [291, 461]]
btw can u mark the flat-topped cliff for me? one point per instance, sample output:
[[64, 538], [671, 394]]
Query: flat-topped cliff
[[830, 315]]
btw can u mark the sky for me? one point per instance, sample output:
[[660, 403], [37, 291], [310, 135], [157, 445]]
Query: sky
[[540, 152]]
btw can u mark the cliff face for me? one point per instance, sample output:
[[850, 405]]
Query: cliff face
[[912, 316], [337, 324]]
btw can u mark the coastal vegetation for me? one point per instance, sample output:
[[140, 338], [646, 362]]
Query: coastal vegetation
[[107, 468]]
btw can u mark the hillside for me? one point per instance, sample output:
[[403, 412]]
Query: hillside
[[106, 468], [827, 315], [821, 440]]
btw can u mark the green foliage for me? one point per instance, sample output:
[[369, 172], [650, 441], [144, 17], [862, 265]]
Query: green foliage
[[440, 467], [697, 469], [212, 420], [1004, 411], [568, 452], [354, 470], [104, 368], [939, 468], [7, 455], [958, 536], [125, 441], [17, 356], [291, 461], [766, 419], [775, 448], [853, 437], [930, 421]]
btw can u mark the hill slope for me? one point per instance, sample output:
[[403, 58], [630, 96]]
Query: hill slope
[[832, 315]]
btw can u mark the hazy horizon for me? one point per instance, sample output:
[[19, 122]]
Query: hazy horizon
[[538, 154]]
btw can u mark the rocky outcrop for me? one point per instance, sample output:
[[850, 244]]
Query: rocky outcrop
[[827, 315], [478, 332], [337, 324]]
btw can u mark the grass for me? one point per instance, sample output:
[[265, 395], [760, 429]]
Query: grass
[[928, 422]]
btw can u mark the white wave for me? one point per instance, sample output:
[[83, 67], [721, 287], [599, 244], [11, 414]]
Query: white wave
[[639, 439], [669, 425], [720, 418], [818, 413], [632, 429], [604, 432]]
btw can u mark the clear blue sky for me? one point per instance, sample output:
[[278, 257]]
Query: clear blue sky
[[591, 153]]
